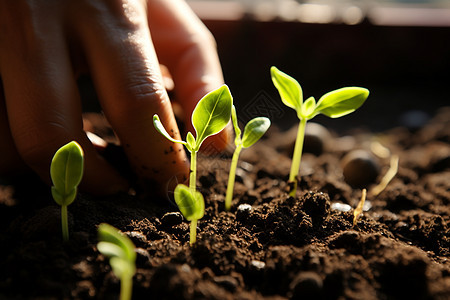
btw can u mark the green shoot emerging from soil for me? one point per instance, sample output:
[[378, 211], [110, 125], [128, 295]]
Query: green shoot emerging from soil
[[334, 104], [122, 256], [253, 131], [192, 206], [66, 171], [209, 117]]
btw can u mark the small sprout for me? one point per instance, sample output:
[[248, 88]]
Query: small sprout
[[192, 206], [334, 104], [253, 131], [390, 174], [122, 256], [359, 209], [209, 117], [66, 171]]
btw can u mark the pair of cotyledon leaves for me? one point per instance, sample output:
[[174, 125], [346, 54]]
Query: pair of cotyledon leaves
[[66, 171], [334, 104]]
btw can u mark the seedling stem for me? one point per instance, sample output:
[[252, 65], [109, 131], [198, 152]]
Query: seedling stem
[[193, 232], [64, 223], [297, 157], [232, 177], [126, 287], [193, 175], [253, 131]]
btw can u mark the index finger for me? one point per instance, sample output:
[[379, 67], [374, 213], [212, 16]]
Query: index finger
[[126, 73]]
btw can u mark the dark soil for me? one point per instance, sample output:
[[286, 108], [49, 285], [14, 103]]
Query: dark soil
[[275, 247]]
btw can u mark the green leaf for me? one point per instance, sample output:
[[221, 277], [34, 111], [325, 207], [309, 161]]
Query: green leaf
[[290, 90], [254, 130], [190, 142], [307, 110], [110, 234], [160, 128], [237, 130], [190, 202], [341, 102], [212, 114], [66, 171]]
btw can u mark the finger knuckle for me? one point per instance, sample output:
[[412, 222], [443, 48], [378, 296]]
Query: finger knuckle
[[205, 38], [140, 95]]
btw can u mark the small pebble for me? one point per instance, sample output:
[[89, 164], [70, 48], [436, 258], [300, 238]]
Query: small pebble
[[244, 208], [243, 211], [360, 168], [258, 265], [340, 206], [171, 219], [186, 268]]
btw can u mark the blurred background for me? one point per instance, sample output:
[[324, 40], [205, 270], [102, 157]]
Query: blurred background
[[399, 50]]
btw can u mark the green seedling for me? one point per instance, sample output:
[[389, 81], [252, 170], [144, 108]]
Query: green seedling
[[253, 131], [209, 117], [192, 206], [334, 104], [66, 171], [122, 257]]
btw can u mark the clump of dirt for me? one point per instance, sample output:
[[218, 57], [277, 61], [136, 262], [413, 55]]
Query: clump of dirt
[[269, 246]]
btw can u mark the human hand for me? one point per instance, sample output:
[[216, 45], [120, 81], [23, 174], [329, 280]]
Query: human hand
[[46, 44]]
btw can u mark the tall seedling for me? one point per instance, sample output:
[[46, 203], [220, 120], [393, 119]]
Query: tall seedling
[[209, 117], [334, 104], [66, 172], [253, 131]]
